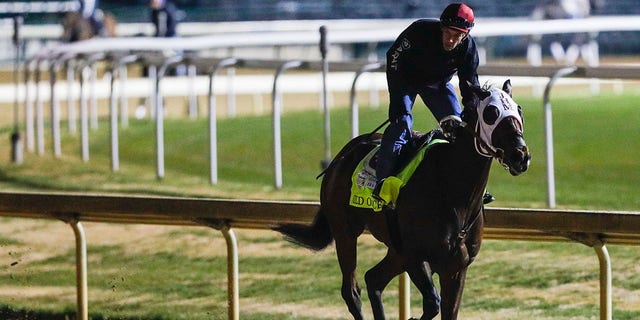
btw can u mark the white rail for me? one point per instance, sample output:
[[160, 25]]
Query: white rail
[[552, 73], [592, 228], [357, 30]]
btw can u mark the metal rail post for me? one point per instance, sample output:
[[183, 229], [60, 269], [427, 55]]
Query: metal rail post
[[153, 77], [81, 271], [324, 48], [16, 141], [93, 100], [54, 67], [124, 102], [233, 295], [84, 117], [595, 241], [404, 296], [55, 109], [113, 119], [71, 106], [354, 103], [28, 109], [213, 140], [275, 101], [548, 132], [122, 78], [82, 300], [87, 72], [116, 68], [159, 107], [39, 114], [606, 306]]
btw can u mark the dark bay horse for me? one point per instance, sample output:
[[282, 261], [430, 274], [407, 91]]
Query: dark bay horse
[[438, 213]]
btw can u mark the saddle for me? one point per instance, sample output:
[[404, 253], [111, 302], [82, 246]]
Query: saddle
[[364, 176], [418, 141]]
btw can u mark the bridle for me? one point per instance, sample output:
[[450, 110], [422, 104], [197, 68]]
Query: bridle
[[509, 113]]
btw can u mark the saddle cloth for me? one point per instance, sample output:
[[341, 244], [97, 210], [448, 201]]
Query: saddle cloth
[[364, 180]]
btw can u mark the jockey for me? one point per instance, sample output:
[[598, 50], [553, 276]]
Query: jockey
[[164, 17], [422, 61]]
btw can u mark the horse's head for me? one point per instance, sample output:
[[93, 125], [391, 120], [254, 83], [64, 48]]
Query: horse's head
[[497, 124]]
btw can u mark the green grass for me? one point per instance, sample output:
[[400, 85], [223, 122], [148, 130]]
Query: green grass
[[184, 278], [595, 141], [180, 273]]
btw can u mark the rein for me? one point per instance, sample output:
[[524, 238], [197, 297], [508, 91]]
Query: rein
[[342, 154], [464, 230], [493, 152], [464, 225]]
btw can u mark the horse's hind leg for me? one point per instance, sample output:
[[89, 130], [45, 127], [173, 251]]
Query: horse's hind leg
[[377, 278], [346, 249], [420, 274]]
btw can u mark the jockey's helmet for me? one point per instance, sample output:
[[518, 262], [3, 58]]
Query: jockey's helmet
[[457, 16]]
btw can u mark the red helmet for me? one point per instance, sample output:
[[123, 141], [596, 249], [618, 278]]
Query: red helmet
[[457, 16]]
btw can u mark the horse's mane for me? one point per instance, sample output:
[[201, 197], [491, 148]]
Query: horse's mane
[[468, 114], [488, 85]]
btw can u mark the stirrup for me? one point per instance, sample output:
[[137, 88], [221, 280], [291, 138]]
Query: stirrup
[[375, 193]]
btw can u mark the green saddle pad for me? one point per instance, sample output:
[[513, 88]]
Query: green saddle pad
[[363, 180]]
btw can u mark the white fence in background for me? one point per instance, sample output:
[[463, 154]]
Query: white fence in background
[[157, 65], [260, 35]]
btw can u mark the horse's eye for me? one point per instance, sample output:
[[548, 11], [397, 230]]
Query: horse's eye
[[490, 114]]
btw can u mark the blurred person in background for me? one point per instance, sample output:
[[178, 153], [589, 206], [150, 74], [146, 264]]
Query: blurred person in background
[[88, 22], [577, 43], [164, 15]]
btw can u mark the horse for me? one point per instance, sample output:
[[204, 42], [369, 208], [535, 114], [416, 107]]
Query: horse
[[76, 27], [436, 225]]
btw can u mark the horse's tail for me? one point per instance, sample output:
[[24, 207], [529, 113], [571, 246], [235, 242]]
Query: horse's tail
[[316, 236]]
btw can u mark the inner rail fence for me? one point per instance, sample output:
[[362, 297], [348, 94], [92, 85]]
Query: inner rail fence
[[592, 228], [158, 65]]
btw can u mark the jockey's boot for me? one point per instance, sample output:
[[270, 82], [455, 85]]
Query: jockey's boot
[[375, 193], [488, 198], [449, 124]]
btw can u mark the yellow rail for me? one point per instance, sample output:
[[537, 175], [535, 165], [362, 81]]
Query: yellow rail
[[592, 228]]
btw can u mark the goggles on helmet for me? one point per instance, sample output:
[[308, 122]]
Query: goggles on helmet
[[457, 23]]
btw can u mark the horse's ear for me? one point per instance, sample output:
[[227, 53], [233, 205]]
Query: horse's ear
[[479, 92], [506, 87]]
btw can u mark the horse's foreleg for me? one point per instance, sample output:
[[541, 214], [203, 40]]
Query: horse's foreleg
[[452, 286], [346, 250], [420, 274], [377, 278]]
